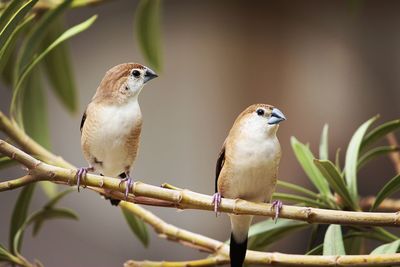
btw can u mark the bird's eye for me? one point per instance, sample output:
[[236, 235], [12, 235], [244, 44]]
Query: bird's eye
[[136, 73], [260, 112]]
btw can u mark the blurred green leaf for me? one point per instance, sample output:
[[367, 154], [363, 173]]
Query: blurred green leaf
[[352, 152], [333, 242], [305, 158], [49, 188], [266, 232], [50, 213], [4, 254], [337, 159], [389, 248], [374, 153], [381, 234], [323, 146], [34, 37], [15, 108], [137, 226], [10, 11], [148, 33], [297, 188], [6, 162], [12, 23], [59, 70], [56, 198], [298, 199], [379, 132], [6, 52], [336, 181], [19, 215], [388, 189]]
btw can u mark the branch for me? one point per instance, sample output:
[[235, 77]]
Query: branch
[[185, 199], [395, 156]]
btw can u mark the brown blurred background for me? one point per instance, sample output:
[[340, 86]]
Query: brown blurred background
[[335, 62]]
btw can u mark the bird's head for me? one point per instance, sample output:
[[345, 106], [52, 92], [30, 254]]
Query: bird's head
[[124, 82], [260, 119]]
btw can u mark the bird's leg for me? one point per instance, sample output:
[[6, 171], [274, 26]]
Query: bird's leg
[[216, 201], [128, 183], [81, 175], [277, 205]]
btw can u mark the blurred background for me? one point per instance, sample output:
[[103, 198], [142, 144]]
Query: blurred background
[[335, 62]]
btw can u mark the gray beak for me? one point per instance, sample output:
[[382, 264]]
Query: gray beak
[[276, 117], [149, 75]]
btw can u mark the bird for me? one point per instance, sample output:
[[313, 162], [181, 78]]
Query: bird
[[247, 168], [111, 125]]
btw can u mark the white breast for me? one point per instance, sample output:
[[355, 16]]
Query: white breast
[[115, 124]]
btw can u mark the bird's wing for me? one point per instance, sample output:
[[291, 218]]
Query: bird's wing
[[219, 165], [83, 120]]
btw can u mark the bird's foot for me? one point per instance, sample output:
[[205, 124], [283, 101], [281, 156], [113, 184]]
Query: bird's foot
[[81, 175], [277, 206], [217, 202], [128, 185]]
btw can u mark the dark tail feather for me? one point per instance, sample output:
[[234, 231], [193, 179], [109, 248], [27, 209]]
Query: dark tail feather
[[114, 202], [237, 252]]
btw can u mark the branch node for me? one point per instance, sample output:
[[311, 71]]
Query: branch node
[[309, 214], [12, 154], [101, 183], [52, 174]]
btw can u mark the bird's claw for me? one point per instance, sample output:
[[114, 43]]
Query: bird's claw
[[128, 186], [217, 202], [277, 206], [81, 176]]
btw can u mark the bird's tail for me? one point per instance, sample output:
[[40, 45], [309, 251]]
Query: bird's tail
[[238, 244]]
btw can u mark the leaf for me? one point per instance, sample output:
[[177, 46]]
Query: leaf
[[352, 152], [266, 232], [36, 35], [19, 215], [297, 188], [337, 159], [389, 248], [148, 33], [374, 153], [379, 132], [35, 109], [137, 226], [298, 199], [305, 158], [4, 254], [51, 213], [323, 146], [49, 188], [53, 201], [11, 24], [333, 241], [6, 52], [15, 108], [336, 181], [388, 189], [59, 70]]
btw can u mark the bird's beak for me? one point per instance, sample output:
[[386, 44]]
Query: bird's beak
[[149, 75], [276, 117]]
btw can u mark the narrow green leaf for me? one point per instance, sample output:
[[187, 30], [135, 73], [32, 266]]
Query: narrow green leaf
[[337, 158], [298, 199], [297, 188], [48, 214], [374, 153], [352, 152], [333, 241], [4, 254], [381, 234], [53, 201], [148, 33], [6, 162], [59, 70], [379, 132], [137, 226], [49, 188], [305, 158], [388, 189], [9, 12], [266, 232], [336, 181], [323, 146], [6, 52], [15, 108], [389, 248], [20, 214], [31, 42], [14, 20]]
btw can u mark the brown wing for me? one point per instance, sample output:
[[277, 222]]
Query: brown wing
[[219, 165], [83, 120]]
